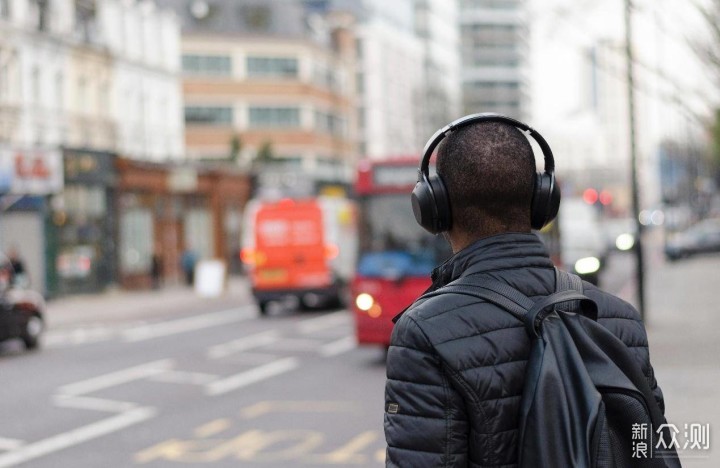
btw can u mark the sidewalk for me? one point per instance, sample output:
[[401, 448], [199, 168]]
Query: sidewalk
[[683, 322], [123, 306]]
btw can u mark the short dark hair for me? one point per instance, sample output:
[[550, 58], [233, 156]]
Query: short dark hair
[[488, 169]]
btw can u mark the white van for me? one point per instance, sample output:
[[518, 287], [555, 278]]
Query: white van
[[582, 244]]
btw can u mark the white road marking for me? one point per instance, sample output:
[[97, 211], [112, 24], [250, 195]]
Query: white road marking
[[251, 376], [242, 344], [94, 404], [340, 346], [184, 325], [296, 344], [74, 437], [116, 378], [10, 444], [253, 359], [180, 377], [55, 339], [324, 322]]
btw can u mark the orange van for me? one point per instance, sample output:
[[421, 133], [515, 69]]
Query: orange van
[[292, 250]]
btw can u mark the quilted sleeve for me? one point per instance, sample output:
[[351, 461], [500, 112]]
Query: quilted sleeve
[[425, 420]]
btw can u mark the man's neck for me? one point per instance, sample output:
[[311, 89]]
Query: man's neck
[[459, 239]]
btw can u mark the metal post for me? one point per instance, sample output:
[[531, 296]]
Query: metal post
[[640, 267]]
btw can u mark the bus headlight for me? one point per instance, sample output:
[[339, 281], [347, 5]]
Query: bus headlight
[[364, 301], [625, 242], [587, 265]]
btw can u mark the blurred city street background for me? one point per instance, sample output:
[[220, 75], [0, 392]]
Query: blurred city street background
[[211, 381], [205, 219]]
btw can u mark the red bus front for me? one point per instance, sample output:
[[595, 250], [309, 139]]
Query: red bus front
[[396, 255]]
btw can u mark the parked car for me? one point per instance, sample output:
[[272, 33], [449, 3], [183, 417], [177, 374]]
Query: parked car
[[703, 237], [21, 313]]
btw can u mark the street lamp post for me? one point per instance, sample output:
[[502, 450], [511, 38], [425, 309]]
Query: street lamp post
[[640, 267]]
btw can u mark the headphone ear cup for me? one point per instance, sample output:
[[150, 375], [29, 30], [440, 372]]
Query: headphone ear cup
[[546, 200], [442, 204], [431, 205], [422, 206]]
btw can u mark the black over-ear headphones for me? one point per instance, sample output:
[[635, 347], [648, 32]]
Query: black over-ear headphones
[[430, 200]]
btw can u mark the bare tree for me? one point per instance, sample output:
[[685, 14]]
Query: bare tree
[[708, 51]]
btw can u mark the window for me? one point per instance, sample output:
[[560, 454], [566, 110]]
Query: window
[[329, 123], [256, 17], [136, 235], [4, 80], [274, 117], [208, 115], [218, 65], [197, 230], [35, 85], [272, 66], [59, 94], [42, 15], [5, 11], [82, 94], [86, 20], [491, 4]]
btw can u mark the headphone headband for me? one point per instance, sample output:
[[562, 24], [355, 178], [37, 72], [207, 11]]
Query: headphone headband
[[441, 134]]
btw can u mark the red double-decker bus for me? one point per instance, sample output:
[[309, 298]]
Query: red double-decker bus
[[396, 256]]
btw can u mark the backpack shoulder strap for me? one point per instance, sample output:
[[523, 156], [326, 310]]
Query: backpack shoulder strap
[[493, 291], [565, 281]]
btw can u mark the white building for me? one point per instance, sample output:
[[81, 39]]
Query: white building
[[84, 80], [437, 27], [146, 92], [494, 54], [390, 80], [94, 74], [391, 86]]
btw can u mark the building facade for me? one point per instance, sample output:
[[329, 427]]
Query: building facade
[[494, 55], [65, 69], [437, 26], [267, 82], [389, 76]]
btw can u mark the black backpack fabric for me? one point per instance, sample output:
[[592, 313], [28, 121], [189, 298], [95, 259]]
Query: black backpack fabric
[[585, 401]]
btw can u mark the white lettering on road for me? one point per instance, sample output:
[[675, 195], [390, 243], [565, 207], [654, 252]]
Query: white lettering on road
[[251, 376], [198, 322]]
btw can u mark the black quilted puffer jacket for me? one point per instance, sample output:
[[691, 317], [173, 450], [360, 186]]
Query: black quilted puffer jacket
[[456, 364]]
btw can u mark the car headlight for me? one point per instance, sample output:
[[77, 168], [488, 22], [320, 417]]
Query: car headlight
[[587, 265], [625, 241], [364, 301]]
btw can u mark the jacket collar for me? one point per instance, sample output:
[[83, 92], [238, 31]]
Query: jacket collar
[[498, 252]]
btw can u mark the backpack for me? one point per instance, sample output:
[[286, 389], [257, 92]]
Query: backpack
[[585, 401]]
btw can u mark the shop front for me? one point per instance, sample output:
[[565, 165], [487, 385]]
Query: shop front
[[28, 177], [85, 223], [168, 214]]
